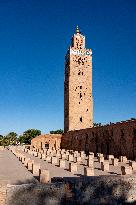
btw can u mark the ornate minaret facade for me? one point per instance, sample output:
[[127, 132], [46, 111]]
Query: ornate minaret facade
[[78, 100]]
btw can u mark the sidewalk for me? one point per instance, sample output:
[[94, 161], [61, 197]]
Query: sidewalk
[[12, 171]]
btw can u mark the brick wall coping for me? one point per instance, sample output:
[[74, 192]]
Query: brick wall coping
[[121, 123], [44, 136]]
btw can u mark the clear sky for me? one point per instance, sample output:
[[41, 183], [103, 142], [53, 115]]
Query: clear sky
[[34, 37]]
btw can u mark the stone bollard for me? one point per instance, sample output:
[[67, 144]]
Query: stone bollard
[[20, 157], [78, 160], [29, 152], [63, 156], [39, 155], [48, 159], [91, 157], [114, 162], [89, 171], [83, 156], [58, 152], [70, 158], [100, 159], [78, 154], [75, 154], [99, 155], [74, 159], [45, 152], [26, 150], [30, 165], [67, 156], [126, 170], [105, 166], [43, 156], [90, 162], [35, 154], [23, 159], [73, 167], [82, 153], [58, 155], [62, 163], [54, 152], [54, 160], [110, 157], [91, 153], [133, 165], [42, 151], [45, 176], [48, 153], [123, 159], [67, 152], [36, 169], [26, 162]]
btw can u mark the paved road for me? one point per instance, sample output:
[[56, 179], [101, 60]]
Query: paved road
[[11, 169]]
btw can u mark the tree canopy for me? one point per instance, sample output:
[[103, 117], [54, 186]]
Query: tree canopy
[[60, 131], [1, 140], [9, 139], [28, 135], [97, 124]]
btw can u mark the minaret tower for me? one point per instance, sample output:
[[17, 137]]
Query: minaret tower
[[78, 100]]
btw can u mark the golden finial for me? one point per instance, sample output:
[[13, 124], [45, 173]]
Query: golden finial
[[77, 29]]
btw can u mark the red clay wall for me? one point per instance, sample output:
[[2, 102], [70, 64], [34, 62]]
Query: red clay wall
[[117, 139]]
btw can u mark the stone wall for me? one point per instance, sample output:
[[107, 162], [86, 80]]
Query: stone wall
[[49, 140], [87, 190], [117, 139]]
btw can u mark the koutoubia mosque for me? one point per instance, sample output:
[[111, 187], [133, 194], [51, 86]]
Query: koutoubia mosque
[[100, 160], [78, 100], [79, 133]]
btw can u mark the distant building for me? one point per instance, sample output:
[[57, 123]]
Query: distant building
[[48, 141]]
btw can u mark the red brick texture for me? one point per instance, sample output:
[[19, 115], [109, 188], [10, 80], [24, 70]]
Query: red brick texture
[[117, 139]]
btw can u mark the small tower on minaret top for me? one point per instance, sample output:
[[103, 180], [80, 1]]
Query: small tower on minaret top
[[78, 100]]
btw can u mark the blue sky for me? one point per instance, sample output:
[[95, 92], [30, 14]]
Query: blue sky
[[34, 37]]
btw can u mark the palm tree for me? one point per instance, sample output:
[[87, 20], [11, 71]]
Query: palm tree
[[11, 138]]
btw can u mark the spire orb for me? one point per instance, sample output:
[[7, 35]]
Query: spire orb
[[77, 29]]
